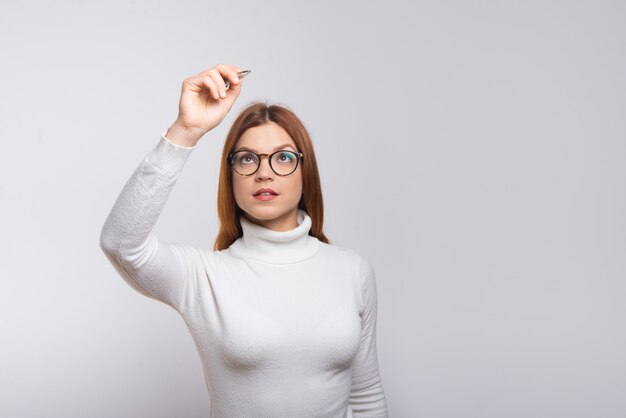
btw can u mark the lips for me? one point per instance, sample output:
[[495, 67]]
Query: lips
[[265, 190]]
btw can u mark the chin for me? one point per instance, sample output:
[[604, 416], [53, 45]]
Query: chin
[[267, 212]]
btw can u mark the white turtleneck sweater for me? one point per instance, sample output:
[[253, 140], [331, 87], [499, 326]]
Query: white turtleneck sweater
[[285, 325]]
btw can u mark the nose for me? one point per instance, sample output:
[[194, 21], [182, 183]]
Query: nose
[[264, 171]]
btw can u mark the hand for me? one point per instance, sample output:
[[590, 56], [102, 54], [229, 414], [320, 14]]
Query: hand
[[204, 103]]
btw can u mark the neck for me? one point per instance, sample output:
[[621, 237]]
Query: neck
[[273, 246], [285, 222]]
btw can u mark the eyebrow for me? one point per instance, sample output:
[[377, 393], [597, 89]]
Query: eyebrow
[[275, 149]]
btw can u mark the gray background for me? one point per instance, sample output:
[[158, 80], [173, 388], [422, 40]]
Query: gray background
[[472, 151]]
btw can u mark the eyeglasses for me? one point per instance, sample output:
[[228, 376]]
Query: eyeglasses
[[282, 162]]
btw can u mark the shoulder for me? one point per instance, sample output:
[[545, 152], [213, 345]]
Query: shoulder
[[208, 258], [358, 264], [344, 254]]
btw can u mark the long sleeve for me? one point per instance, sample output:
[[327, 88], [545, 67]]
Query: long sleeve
[[155, 269], [367, 396]]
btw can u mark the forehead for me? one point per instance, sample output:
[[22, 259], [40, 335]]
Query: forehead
[[264, 138]]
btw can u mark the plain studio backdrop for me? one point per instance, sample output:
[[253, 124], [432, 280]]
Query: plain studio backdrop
[[473, 152]]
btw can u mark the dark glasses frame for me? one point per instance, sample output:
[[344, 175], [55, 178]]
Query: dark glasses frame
[[231, 158]]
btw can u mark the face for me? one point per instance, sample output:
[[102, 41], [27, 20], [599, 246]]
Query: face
[[281, 212]]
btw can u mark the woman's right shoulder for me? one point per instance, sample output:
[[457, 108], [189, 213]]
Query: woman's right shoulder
[[216, 257]]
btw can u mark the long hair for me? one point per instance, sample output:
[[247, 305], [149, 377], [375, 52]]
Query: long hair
[[256, 114]]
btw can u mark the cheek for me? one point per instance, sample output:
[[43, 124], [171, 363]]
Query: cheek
[[296, 183], [239, 187]]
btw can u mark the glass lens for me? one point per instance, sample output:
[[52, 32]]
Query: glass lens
[[245, 162], [284, 162]]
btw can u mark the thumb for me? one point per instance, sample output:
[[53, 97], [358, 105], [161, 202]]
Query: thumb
[[233, 92]]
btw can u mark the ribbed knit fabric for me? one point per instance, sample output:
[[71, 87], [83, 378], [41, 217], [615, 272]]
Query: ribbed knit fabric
[[285, 325]]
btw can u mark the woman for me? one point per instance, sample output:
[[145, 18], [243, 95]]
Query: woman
[[284, 322]]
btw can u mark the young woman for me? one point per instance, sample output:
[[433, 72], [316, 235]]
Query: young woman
[[284, 322]]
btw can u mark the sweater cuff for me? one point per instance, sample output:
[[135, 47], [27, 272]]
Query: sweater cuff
[[168, 156], [176, 145]]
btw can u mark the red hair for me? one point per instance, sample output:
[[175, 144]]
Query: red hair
[[256, 114]]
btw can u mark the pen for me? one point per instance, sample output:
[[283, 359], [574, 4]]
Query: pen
[[241, 75]]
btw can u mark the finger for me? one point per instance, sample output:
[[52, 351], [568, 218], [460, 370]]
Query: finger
[[232, 94], [226, 69], [196, 84], [211, 86], [219, 82], [233, 77], [222, 68], [229, 73], [236, 86]]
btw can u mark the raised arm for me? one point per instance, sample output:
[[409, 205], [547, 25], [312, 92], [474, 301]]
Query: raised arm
[[367, 396], [160, 270], [151, 267]]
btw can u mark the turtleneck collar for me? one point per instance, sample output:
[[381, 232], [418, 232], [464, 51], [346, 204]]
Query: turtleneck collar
[[276, 247]]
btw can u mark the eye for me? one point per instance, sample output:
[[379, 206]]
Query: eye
[[285, 157], [246, 158]]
